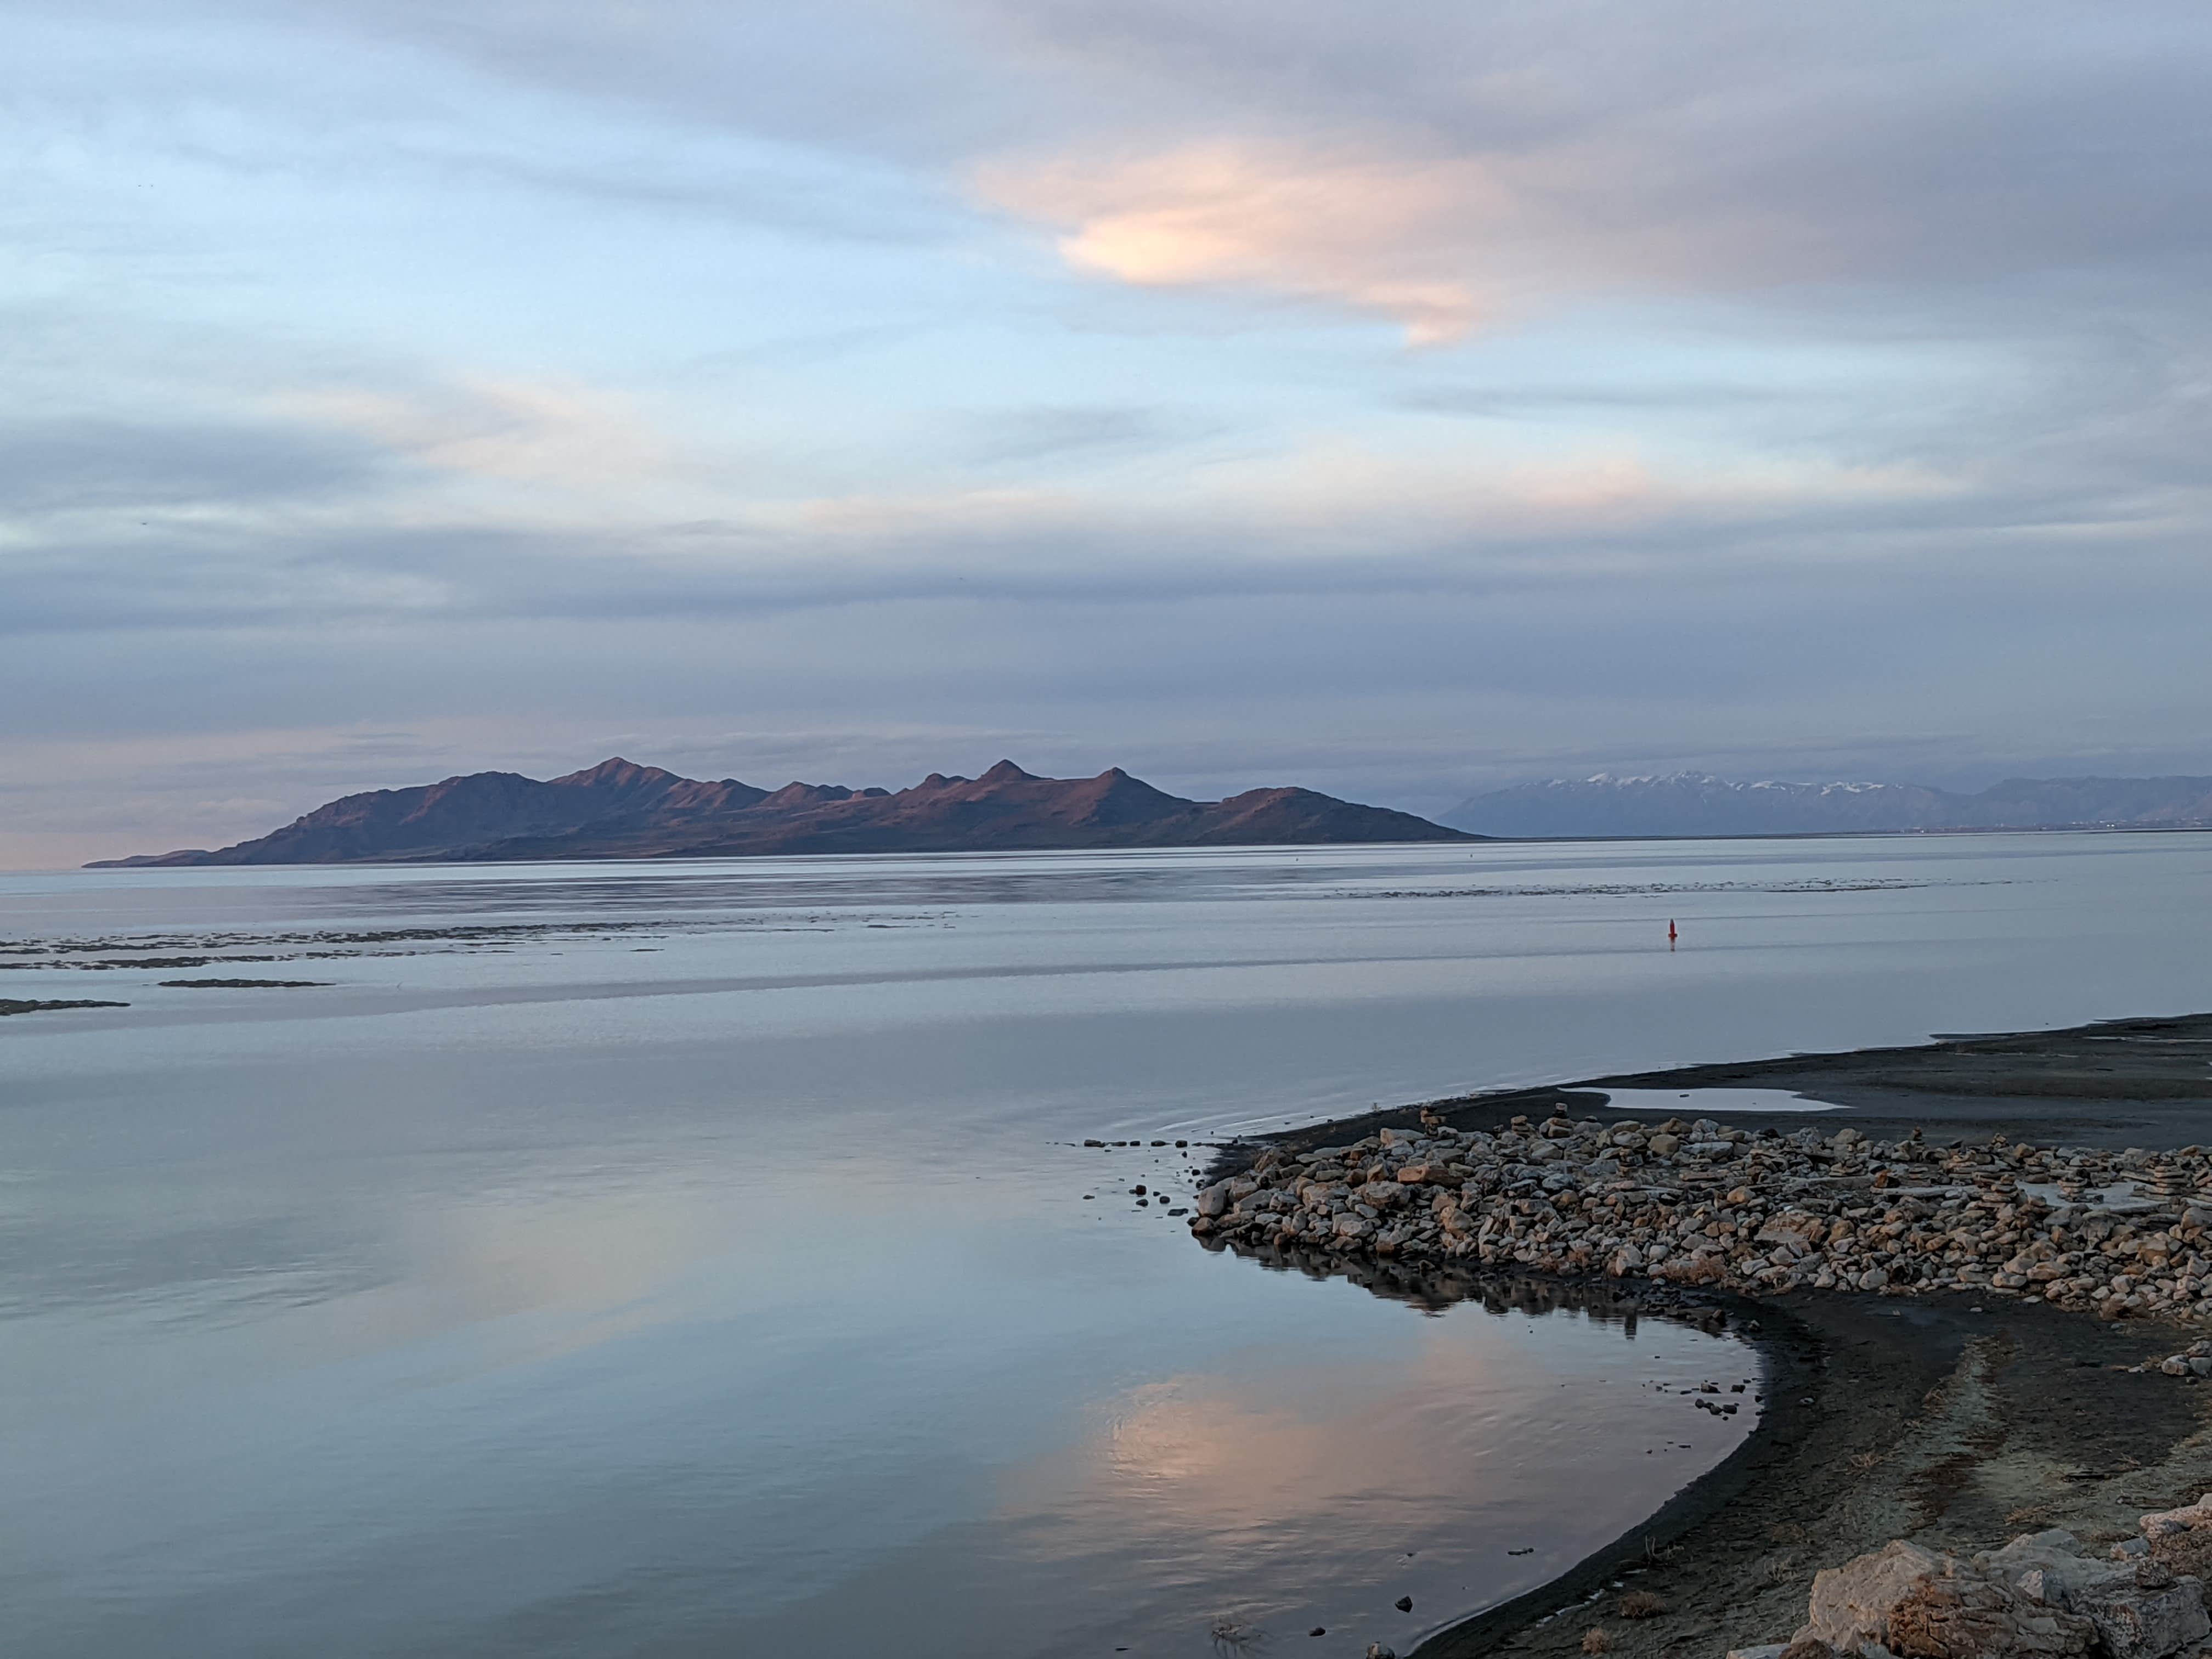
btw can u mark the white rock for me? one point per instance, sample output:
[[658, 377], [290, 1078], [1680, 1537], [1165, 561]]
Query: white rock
[[1851, 1604]]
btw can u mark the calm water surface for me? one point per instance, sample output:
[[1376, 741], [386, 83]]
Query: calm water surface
[[703, 1258]]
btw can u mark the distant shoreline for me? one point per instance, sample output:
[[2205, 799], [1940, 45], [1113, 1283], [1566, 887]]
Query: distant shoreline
[[170, 861]]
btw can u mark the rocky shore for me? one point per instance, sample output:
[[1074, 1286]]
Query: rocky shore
[[1965, 1330], [2122, 1235], [2044, 1594]]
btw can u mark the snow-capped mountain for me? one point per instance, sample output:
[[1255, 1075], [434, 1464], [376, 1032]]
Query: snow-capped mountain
[[1694, 804]]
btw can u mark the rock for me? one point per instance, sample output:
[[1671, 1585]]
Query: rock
[[1764, 1650], [1851, 1604], [2138, 1609], [1585, 1197], [1806, 1232], [2048, 1567], [2187, 1519], [2138, 1622], [1404, 1604], [1920, 1605], [1704, 1267], [1380, 1650]]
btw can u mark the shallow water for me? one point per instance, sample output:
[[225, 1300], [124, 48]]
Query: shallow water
[[697, 1258], [1704, 1103]]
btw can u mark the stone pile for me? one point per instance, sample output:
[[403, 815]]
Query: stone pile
[[2122, 1235], [2041, 1595]]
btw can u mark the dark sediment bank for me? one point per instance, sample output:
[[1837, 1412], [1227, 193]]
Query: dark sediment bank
[[34, 1005], [242, 984], [2116, 1083], [1956, 1419]]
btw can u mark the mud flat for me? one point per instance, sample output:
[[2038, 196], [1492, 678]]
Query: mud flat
[[2116, 1083], [1938, 1404]]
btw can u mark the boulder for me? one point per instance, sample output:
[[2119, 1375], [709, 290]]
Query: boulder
[[2188, 1519], [1703, 1267], [2044, 1566], [1920, 1605], [1802, 1232], [2141, 1618], [2138, 1609], [1851, 1604]]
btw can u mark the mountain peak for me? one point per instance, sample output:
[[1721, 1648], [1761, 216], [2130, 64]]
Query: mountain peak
[[619, 809], [618, 772]]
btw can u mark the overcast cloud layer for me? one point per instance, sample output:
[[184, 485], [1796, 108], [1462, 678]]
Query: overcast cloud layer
[[1395, 399]]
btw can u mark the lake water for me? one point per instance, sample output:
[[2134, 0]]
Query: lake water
[[703, 1258]]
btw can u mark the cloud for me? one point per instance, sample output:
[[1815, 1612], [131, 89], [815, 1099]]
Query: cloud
[[975, 365], [84, 463], [1454, 171], [1389, 237], [1047, 432], [513, 430]]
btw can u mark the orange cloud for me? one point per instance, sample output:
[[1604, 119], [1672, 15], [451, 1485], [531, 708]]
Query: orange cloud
[[1381, 235]]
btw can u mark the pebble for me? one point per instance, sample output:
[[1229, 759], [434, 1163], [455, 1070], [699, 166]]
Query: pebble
[[2120, 1235]]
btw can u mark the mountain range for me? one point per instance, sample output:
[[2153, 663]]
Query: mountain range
[[1690, 804], [619, 810]]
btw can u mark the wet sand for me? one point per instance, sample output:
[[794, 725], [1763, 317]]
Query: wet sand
[[1956, 1421]]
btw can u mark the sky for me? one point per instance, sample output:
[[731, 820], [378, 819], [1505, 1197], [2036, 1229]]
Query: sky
[[1398, 399]]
